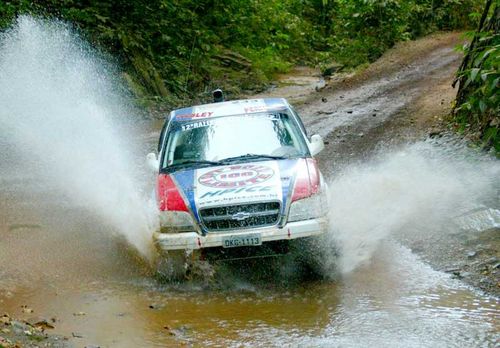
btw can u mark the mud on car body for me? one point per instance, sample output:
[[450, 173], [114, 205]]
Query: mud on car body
[[236, 174]]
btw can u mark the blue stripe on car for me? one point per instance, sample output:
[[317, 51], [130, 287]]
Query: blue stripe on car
[[183, 111], [185, 179], [273, 102], [287, 174]]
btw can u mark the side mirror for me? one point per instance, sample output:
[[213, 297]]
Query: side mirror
[[316, 145], [152, 161]]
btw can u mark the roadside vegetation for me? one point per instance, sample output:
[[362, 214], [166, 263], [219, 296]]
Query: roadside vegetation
[[477, 109], [174, 50]]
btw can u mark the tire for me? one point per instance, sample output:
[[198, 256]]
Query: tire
[[311, 257], [172, 265], [183, 265]]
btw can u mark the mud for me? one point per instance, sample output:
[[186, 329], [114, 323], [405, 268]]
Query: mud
[[68, 267]]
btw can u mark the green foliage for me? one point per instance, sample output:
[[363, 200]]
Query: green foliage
[[481, 109], [483, 77], [182, 48], [478, 100], [364, 29]]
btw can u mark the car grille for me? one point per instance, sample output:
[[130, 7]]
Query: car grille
[[240, 216]]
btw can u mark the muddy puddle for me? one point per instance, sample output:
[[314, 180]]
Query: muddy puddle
[[67, 265], [104, 298]]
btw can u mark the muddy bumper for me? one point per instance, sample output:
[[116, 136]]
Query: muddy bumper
[[193, 240]]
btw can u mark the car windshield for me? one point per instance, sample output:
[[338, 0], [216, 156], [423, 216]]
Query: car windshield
[[212, 140]]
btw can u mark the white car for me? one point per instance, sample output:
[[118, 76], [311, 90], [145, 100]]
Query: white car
[[236, 174]]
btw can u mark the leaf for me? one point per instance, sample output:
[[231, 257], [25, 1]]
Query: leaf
[[485, 75], [487, 53], [482, 106], [494, 84], [467, 83], [102, 18], [473, 74], [490, 132]]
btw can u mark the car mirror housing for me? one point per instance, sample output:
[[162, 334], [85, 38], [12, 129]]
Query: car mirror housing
[[152, 162], [316, 145]]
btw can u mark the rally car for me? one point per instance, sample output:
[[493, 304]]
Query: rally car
[[236, 175]]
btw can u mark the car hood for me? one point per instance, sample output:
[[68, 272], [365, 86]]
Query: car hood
[[239, 183]]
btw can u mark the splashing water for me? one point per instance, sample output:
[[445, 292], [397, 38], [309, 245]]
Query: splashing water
[[423, 186], [62, 111]]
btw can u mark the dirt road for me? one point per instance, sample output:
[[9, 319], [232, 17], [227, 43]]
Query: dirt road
[[400, 97]]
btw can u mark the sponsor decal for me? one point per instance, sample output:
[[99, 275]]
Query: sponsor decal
[[261, 108], [236, 176], [194, 125], [195, 115], [236, 190], [237, 184], [257, 108]]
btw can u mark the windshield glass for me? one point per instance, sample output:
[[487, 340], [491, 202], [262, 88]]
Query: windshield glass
[[220, 138]]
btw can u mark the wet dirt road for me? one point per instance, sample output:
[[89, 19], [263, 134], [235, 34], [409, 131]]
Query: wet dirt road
[[65, 263]]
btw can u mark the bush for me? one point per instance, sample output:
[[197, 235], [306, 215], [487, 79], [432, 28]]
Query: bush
[[478, 101]]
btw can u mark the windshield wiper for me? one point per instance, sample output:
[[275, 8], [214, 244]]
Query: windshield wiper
[[211, 163], [252, 156]]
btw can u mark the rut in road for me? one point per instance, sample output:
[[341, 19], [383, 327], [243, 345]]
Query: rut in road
[[373, 102]]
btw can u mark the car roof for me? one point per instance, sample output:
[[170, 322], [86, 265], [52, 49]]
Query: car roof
[[228, 108]]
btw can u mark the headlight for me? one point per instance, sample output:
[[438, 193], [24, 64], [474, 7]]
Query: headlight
[[176, 221], [308, 208]]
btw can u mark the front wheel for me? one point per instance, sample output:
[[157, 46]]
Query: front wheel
[[313, 257], [181, 265], [172, 265]]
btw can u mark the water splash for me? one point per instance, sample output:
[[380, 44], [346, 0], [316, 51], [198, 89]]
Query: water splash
[[422, 186], [65, 116]]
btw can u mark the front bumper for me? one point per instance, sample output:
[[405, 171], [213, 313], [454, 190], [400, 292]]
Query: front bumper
[[193, 240]]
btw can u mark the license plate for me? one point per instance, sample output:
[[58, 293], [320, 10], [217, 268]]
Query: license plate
[[242, 240]]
